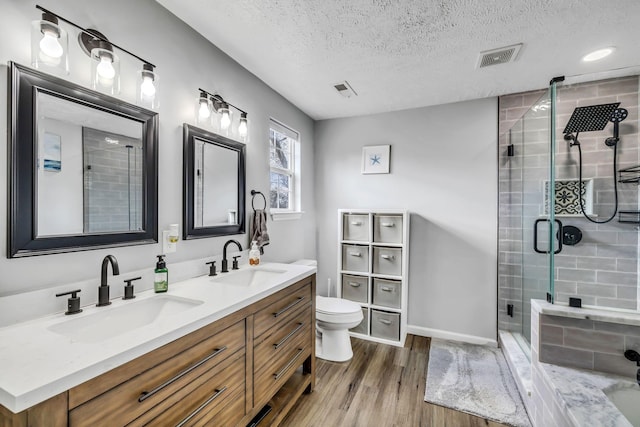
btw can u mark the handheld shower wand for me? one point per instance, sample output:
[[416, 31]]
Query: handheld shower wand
[[616, 117]]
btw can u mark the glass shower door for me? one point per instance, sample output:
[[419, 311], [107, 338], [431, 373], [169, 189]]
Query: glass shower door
[[539, 227]]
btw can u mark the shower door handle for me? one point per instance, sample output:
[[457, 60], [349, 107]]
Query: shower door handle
[[558, 236]]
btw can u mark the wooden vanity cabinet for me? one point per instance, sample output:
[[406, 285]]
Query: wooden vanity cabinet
[[221, 374]]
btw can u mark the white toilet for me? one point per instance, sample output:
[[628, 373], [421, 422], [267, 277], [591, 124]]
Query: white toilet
[[334, 318]]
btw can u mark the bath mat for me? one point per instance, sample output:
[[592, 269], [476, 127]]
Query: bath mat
[[474, 379]]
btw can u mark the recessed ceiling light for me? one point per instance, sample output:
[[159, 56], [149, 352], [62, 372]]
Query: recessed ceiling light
[[598, 54]]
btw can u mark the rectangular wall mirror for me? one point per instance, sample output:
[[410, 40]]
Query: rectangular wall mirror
[[83, 168], [214, 184]]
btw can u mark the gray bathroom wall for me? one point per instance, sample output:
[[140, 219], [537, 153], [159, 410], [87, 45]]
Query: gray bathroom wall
[[443, 170], [185, 61]]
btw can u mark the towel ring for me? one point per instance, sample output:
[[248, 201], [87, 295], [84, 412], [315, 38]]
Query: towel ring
[[253, 196]]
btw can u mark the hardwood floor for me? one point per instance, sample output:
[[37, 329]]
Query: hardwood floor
[[382, 386]]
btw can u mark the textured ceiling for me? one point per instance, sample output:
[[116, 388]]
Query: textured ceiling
[[410, 53]]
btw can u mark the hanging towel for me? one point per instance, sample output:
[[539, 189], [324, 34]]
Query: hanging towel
[[259, 227]]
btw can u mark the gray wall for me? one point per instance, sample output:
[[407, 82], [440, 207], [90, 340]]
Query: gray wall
[[444, 170], [185, 61]]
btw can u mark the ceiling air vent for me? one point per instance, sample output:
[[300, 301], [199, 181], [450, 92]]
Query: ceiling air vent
[[345, 89], [499, 56]]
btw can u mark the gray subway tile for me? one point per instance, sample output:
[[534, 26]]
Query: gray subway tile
[[618, 328], [551, 334], [603, 342], [587, 276], [614, 364], [618, 278], [566, 322], [565, 356]]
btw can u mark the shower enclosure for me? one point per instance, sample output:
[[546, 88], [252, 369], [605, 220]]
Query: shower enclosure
[[549, 185]]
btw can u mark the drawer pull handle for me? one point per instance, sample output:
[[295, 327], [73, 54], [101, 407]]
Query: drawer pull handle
[[285, 339], [388, 224], [356, 223], [389, 257], [356, 254], [385, 321], [201, 407], [386, 289], [289, 307], [147, 394], [354, 284], [291, 362]]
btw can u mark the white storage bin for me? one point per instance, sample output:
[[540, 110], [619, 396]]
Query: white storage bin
[[387, 228], [385, 325], [387, 261], [354, 288], [355, 227], [387, 292], [355, 258], [363, 327]]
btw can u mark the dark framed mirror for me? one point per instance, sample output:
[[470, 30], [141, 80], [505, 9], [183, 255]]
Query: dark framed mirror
[[83, 168], [214, 184]]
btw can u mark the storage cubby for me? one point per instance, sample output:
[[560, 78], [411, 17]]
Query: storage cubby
[[373, 265]]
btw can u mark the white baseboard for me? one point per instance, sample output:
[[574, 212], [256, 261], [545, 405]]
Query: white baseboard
[[447, 335]]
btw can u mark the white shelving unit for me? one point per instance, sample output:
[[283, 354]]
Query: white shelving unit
[[373, 267]]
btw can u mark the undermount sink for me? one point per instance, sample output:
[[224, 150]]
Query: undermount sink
[[111, 322], [626, 399], [248, 277]]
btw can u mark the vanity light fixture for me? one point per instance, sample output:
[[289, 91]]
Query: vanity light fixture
[[105, 65], [223, 119], [49, 45]]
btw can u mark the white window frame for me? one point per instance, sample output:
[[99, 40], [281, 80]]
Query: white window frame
[[294, 211]]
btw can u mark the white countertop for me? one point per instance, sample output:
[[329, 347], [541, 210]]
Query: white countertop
[[581, 395], [36, 364]]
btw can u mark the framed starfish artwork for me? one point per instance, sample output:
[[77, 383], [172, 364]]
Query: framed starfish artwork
[[375, 159]]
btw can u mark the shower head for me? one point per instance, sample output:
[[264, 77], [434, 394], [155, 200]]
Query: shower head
[[590, 118], [618, 115]]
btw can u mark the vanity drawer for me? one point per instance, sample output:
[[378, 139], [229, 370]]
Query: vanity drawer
[[354, 288], [280, 339], [387, 261], [355, 227], [387, 228], [387, 292], [286, 304], [272, 375], [355, 258], [165, 384], [363, 327], [207, 403], [385, 325]]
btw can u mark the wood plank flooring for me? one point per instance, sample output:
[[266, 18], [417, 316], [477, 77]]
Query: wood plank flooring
[[382, 386]]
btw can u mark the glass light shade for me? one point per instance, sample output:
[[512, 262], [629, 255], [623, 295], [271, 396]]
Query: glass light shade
[[105, 71], [49, 46], [203, 110], [224, 119], [243, 128], [147, 87]]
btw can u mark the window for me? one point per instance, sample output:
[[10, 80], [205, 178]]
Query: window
[[284, 168]]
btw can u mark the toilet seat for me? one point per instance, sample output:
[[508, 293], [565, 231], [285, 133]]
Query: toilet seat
[[337, 310]]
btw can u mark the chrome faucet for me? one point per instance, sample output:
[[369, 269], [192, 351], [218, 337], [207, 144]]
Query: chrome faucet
[[103, 289], [225, 263]]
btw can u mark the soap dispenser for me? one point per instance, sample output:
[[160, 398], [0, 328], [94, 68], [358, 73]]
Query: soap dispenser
[[254, 254], [161, 278]]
